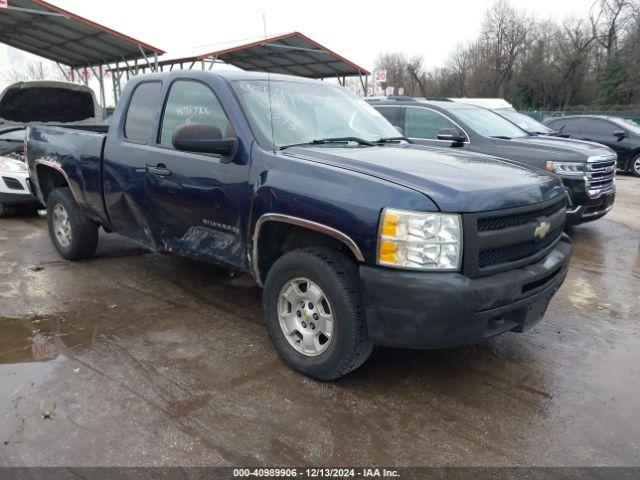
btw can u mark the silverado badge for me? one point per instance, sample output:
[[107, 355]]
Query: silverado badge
[[542, 230]]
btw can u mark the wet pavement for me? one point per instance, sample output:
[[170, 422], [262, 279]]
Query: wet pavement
[[135, 358]]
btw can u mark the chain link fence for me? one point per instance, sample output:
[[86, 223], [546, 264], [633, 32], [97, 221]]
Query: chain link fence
[[631, 112]]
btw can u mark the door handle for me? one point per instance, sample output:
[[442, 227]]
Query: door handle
[[160, 170]]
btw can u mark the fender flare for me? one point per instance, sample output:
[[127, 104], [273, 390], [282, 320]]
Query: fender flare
[[300, 222]]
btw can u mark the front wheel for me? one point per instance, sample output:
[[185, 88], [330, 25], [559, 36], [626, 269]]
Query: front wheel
[[314, 313], [634, 166], [72, 232]]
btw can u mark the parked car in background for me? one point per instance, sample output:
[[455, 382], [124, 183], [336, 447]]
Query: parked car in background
[[27, 102], [587, 169], [355, 234], [619, 134], [15, 194], [506, 110]]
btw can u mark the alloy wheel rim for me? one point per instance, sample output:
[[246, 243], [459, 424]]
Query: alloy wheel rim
[[61, 225], [305, 316], [636, 165]]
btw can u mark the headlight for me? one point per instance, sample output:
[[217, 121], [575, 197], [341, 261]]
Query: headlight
[[420, 241], [10, 165], [566, 168]]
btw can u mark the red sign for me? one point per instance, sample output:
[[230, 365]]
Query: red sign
[[4, 3]]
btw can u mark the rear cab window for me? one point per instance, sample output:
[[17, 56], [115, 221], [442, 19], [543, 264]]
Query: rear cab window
[[140, 114], [190, 101]]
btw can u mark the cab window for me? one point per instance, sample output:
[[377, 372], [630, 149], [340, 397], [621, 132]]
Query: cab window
[[425, 123], [570, 126], [192, 102], [600, 128], [140, 114]]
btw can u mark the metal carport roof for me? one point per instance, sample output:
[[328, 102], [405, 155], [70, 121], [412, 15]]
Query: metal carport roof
[[45, 30], [292, 53]]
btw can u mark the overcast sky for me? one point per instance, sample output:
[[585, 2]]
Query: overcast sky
[[357, 30]]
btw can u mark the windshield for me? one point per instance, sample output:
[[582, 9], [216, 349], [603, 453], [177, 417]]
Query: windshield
[[489, 124], [12, 135], [628, 124], [304, 112], [525, 122]]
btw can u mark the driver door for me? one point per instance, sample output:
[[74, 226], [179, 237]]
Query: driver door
[[193, 198]]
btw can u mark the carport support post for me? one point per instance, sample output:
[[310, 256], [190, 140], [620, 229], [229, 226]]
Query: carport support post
[[103, 99], [113, 84]]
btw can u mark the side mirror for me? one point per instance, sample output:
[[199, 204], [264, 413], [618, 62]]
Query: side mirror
[[620, 134], [203, 138], [451, 135]]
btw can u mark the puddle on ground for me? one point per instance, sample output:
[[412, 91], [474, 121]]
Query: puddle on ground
[[33, 339]]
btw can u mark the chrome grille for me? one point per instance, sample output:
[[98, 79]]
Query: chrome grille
[[601, 175]]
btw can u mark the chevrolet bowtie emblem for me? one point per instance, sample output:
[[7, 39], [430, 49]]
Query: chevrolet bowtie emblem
[[541, 230]]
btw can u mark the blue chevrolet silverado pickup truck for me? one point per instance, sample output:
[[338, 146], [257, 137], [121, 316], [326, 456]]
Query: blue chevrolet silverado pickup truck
[[358, 237]]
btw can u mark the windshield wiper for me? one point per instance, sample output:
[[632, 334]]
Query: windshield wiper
[[501, 137], [321, 141], [393, 139]]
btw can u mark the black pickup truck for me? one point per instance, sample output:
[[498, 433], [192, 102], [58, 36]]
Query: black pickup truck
[[358, 237]]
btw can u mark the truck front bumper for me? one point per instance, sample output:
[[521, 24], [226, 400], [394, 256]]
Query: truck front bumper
[[590, 209], [436, 310]]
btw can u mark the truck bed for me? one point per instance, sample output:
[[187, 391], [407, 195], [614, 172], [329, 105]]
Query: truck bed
[[76, 151]]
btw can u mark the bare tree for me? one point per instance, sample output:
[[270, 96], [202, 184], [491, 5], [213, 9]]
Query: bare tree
[[34, 70], [610, 22], [459, 69], [588, 60]]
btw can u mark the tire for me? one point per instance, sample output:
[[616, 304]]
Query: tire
[[634, 166], [337, 278], [82, 238], [6, 211]]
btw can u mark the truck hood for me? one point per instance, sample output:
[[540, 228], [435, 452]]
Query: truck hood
[[44, 101], [558, 148], [455, 181]]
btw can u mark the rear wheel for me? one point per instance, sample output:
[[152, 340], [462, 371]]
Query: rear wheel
[[72, 232], [314, 313], [634, 166]]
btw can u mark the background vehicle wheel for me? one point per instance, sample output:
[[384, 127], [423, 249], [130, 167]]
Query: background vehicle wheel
[[6, 211], [314, 313], [634, 166], [73, 234]]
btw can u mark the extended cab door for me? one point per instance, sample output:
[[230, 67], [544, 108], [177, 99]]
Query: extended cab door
[[195, 199], [126, 155]]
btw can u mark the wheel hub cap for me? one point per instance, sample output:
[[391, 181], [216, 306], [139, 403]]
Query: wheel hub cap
[[61, 225], [305, 316]]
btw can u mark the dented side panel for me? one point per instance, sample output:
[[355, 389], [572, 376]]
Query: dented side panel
[[197, 211]]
